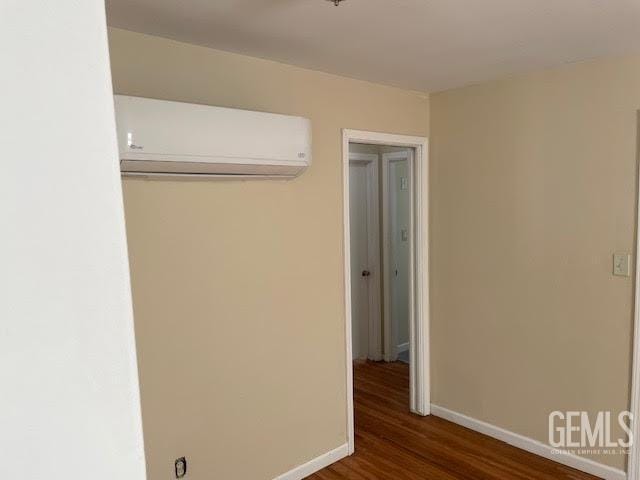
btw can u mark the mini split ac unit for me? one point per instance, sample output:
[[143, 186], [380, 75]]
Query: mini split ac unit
[[162, 138]]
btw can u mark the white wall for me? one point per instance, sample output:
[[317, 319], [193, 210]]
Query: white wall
[[69, 402]]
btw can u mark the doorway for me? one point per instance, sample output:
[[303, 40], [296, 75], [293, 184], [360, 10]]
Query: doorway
[[385, 224]]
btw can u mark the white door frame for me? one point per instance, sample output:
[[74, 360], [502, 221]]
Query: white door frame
[[419, 321], [633, 464], [390, 339], [374, 342]]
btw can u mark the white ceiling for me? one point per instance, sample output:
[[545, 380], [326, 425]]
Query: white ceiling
[[425, 45]]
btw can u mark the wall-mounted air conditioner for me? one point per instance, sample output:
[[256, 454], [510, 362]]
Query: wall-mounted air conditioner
[[162, 138]]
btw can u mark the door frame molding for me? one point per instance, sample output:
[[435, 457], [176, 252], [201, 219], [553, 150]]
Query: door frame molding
[[374, 342], [390, 336], [419, 326], [633, 463]]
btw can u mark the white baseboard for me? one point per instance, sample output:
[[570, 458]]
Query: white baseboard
[[530, 445], [318, 463], [403, 347]]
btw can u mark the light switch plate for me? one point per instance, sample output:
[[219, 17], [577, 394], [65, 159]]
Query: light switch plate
[[622, 264]]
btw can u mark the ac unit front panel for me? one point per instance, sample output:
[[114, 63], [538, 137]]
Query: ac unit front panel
[[155, 129]]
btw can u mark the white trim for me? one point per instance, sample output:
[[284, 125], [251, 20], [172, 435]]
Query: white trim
[[530, 445], [389, 354], [403, 347], [318, 463], [419, 365], [346, 251], [633, 464], [363, 157], [374, 343], [390, 348]]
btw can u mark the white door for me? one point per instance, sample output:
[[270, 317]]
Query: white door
[[398, 234], [365, 271], [400, 216]]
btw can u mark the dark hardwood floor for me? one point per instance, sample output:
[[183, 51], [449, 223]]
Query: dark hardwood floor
[[392, 444]]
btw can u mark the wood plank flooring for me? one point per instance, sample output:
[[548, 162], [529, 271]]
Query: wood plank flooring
[[392, 444]]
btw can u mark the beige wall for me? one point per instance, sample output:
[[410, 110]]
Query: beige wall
[[238, 289], [533, 189]]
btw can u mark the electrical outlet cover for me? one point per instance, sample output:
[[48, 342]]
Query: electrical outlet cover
[[181, 467]]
